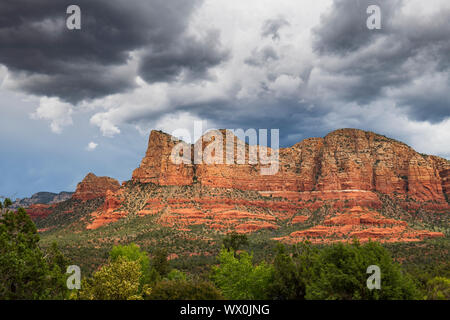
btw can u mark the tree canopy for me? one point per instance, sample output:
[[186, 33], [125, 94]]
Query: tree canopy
[[25, 271]]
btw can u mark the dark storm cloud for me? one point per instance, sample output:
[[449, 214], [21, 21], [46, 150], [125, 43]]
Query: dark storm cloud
[[190, 55], [288, 115], [393, 58], [343, 29], [46, 58], [271, 27]]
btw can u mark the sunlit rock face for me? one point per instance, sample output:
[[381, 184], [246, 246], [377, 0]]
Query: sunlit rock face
[[94, 187], [346, 159]]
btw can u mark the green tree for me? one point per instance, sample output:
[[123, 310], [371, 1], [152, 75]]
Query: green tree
[[292, 272], [4, 205], [185, 290], [57, 266], [340, 273], [238, 278], [118, 280], [132, 252], [234, 241], [160, 262], [25, 272], [175, 274]]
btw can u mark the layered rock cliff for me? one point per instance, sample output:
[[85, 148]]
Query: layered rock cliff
[[345, 159]]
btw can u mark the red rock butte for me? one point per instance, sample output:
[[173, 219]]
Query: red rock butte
[[345, 159], [95, 187]]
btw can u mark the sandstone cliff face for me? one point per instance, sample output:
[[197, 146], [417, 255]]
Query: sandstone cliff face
[[346, 159], [355, 159], [94, 187], [443, 167], [157, 167]]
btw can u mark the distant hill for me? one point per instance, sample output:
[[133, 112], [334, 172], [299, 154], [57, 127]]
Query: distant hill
[[42, 198]]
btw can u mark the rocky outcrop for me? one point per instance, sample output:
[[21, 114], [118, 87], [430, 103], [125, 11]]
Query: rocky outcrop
[[157, 167], [95, 187], [346, 159], [109, 212], [362, 224], [443, 167], [355, 159]]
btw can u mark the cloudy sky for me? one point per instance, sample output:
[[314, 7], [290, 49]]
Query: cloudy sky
[[75, 101]]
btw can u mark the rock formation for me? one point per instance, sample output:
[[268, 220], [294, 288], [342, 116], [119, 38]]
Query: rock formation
[[157, 167], [363, 224], [94, 187], [346, 159], [349, 184]]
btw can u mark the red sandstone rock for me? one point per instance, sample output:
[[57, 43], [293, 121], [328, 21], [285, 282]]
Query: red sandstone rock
[[346, 159], [362, 224], [95, 187], [157, 167], [108, 213], [299, 219]]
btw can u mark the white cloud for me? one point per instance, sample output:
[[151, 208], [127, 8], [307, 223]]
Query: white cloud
[[57, 112], [3, 75], [286, 85], [106, 126], [91, 146]]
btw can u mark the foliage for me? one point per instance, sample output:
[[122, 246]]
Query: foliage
[[234, 241], [238, 278], [291, 273], [25, 272], [340, 273], [118, 280], [160, 262], [176, 275], [5, 204], [438, 288], [185, 290], [132, 252]]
